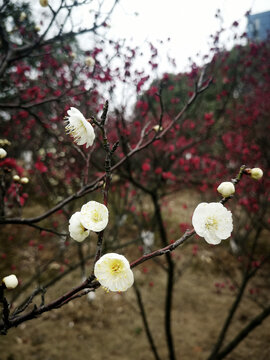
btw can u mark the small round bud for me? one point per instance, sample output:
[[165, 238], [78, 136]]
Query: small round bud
[[22, 16], [89, 61], [10, 281], [73, 55], [24, 180], [226, 188], [44, 3], [3, 153], [16, 178], [37, 28], [157, 128], [256, 173]]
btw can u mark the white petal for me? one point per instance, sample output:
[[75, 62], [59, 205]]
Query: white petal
[[77, 232], [211, 238]]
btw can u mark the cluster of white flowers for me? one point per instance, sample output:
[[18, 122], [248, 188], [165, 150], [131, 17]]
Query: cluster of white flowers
[[93, 216], [113, 272], [79, 128], [210, 220]]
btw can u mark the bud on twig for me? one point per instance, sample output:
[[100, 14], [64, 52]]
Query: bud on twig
[[24, 180], [16, 178], [226, 188], [256, 173], [10, 281]]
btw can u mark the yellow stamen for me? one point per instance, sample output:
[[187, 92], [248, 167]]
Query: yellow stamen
[[96, 217], [211, 223]]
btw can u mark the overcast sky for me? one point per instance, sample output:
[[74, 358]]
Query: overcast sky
[[187, 22]]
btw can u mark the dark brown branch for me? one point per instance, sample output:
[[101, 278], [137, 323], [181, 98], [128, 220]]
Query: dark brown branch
[[164, 250], [243, 333], [145, 322]]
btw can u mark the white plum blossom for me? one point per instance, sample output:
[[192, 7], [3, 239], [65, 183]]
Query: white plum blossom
[[113, 272], [213, 222], [226, 188], [3, 153], [76, 229], [10, 281], [256, 173], [79, 128], [94, 216]]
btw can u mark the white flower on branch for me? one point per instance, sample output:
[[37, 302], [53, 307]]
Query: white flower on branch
[[256, 173], [79, 128], [76, 229], [226, 188], [10, 281], [3, 153], [213, 222], [94, 216], [113, 272]]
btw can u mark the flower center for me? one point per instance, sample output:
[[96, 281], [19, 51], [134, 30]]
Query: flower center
[[96, 217], [211, 223], [116, 267], [83, 229], [75, 130]]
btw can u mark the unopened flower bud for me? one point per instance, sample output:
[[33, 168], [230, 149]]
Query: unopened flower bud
[[44, 3], [3, 153], [73, 55], [226, 188], [16, 178], [24, 180], [89, 61], [256, 173], [37, 28], [157, 128], [22, 16], [10, 281]]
